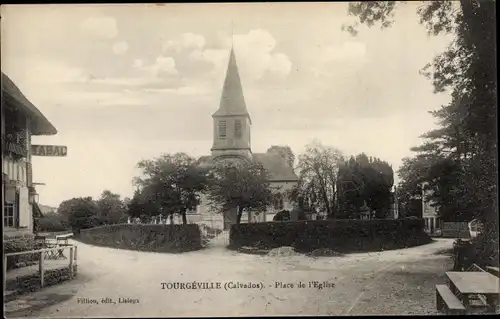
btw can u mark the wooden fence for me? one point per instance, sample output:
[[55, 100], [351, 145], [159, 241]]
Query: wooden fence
[[455, 230], [42, 253]]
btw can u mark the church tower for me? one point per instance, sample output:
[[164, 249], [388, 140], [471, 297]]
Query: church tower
[[232, 121]]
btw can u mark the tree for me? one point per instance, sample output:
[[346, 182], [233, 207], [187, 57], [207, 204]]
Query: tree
[[80, 212], [319, 166], [139, 206], [170, 184], [283, 215], [241, 185], [52, 222], [112, 209], [467, 68], [379, 179], [412, 174], [284, 152], [364, 179], [350, 186]]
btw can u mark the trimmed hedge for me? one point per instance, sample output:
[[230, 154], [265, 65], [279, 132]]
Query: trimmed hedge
[[17, 243], [145, 237], [52, 223], [339, 235]]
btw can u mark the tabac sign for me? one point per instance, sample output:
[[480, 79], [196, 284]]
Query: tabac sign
[[49, 150]]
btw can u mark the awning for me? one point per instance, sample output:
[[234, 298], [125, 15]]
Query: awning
[[11, 94]]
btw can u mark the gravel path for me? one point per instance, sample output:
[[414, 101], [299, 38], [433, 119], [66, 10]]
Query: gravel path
[[391, 282]]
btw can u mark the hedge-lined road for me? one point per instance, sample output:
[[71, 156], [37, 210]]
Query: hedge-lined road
[[391, 282]]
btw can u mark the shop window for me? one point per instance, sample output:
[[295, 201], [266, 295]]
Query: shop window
[[9, 219]]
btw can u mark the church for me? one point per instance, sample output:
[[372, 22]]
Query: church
[[231, 141]]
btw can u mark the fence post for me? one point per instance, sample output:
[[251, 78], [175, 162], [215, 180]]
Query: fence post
[[71, 262], [4, 272], [40, 269]]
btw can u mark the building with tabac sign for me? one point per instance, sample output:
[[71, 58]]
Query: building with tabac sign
[[20, 121]]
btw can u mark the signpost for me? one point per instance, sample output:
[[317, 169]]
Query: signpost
[[49, 150]]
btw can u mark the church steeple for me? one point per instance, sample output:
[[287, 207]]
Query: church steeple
[[232, 120], [232, 101]]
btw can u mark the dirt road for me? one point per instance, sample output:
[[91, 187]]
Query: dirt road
[[391, 282]]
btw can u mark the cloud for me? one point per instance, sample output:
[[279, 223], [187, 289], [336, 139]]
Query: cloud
[[138, 63], [128, 81], [218, 58], [344, 59], [184, 90], [90, 98], [347, 51], [122, 100], [185, 41], [39, 73], [100, 26], [255, 55], [163, 65], [160, 74], [120, 47], [255, 50]]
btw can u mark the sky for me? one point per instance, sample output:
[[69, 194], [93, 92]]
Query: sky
[[122, 83]]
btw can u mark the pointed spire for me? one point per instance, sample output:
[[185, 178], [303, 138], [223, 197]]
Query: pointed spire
[[232, 34], [232, 100]]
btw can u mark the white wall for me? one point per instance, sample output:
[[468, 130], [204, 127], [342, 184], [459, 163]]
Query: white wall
[[16, 171], [206, 214], [25, 210]]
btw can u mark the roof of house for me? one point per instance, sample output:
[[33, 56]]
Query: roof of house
[[232, 100], [40, 125], [47, 209], [273, 163], [278, 168]]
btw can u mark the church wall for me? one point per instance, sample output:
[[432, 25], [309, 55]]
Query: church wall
[[283, 187], [247, 132], [207, 216], [238, 152]]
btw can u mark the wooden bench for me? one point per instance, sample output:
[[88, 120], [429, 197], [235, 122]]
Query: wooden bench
[[477, 298], [63, 239], [493, 270], [475, 267], [447, 302]]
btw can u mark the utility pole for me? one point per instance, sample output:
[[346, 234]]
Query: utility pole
[[396, 204], [422, 198]]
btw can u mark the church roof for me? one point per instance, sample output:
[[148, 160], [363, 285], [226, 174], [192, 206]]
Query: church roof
[[232, 100], [279, 169], [273, 163]]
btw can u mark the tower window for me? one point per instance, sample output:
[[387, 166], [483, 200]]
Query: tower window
[[222, 129], [237, 128]]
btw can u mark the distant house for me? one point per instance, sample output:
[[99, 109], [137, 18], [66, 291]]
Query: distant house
[[231, 141], [47, 209], [20, 121], [430, 214]]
